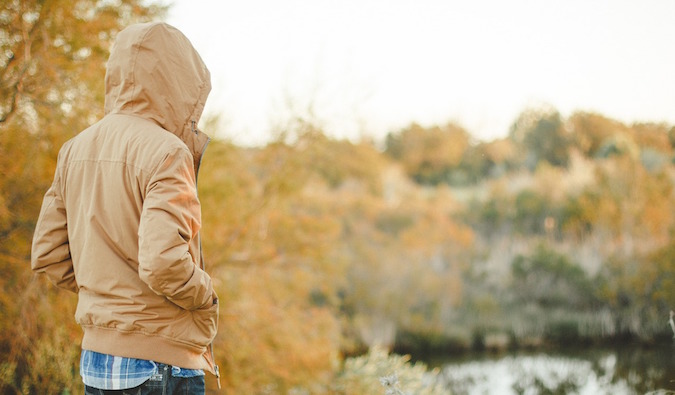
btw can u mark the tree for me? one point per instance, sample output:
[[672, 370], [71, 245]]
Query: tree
[[640, 291], [268, 244], [657, 278], [589, 131], [541, 133], [485, 160], [550, 279], [653, 136], [429, 154], [531, 211]]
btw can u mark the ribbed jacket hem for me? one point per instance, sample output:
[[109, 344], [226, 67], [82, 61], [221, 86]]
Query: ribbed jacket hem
[[145, 346]]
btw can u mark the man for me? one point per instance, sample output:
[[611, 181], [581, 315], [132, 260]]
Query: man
[[119, 224]]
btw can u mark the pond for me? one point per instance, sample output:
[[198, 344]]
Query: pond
[[623, 370]]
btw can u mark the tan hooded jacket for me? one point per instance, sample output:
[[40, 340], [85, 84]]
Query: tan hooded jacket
[[120, 223]]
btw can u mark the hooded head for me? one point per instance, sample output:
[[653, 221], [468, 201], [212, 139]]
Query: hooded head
[[155, 73]]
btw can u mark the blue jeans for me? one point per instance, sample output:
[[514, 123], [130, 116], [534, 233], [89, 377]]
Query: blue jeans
[[163, 383]]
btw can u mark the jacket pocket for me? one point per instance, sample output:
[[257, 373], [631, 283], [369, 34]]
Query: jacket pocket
[[206, 322]]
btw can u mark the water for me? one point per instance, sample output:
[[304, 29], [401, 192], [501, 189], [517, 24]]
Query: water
[[617, 371]]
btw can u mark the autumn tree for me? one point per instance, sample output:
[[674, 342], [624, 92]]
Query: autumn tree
[[485, 160], [52, 64], [542, 136], [405, 258], [429, 154], [590, 131], [641, 291], [268, 240]]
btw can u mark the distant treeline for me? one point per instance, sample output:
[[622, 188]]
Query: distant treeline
[[573, 225]]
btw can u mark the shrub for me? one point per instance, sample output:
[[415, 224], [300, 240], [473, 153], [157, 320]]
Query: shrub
[[379, 372]]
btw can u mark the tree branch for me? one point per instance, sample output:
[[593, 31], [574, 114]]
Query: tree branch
[[16, 87]]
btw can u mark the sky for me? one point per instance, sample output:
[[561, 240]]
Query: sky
[[365, 68]]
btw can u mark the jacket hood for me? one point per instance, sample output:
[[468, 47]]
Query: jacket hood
[[155, 73]]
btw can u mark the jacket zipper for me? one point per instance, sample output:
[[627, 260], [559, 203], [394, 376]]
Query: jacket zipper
[[215, 366], [201, 252]]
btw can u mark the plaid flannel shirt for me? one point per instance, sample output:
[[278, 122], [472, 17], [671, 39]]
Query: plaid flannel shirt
[[108, 372]]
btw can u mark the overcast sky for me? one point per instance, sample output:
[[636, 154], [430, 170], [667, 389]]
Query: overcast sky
[[369, 67]]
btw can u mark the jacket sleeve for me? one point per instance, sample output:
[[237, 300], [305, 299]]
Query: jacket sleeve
[[170, 219], [50, 252]]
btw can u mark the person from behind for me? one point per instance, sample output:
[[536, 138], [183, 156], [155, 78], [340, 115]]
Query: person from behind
[[120, 223]]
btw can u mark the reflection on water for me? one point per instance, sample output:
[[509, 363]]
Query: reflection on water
[[625, 371]]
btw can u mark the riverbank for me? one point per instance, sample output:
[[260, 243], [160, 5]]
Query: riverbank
[[558, 336]]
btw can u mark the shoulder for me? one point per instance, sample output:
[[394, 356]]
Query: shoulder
[[138, 136], [122, 138], [144, 131]]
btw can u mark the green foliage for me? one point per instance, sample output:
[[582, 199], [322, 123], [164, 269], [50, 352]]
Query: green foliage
[[482, 161], [551, 280], [618, 145], [543, 136], [640, 291], [577, 215], [658, 273], [393, 222], [531, 211], [378, 372]]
